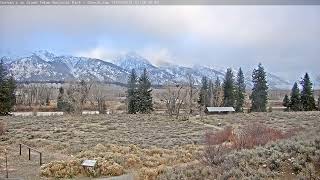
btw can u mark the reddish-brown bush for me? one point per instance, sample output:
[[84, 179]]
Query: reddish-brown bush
[[256, 135], [215, 138], [248, 136], [216, 146], [220, 143]]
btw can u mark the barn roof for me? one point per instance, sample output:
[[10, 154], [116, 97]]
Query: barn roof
[[220, 109]]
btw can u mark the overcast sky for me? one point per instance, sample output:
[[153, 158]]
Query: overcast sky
[[286, 39]]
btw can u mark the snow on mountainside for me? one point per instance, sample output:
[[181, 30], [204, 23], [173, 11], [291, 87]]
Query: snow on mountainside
[[46, 66], [132, 60], [34, 68], [181, 73], [274, 81], [92, 69], [44, 55]]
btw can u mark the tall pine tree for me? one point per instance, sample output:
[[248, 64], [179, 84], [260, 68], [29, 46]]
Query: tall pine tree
[[218, 93], [60, 99], [144, 99], [132, 93], [203, 94], [286, 102], [240, 91], [7, 91], [259, 96], [228, 89], [307, 99], [210, 93], [295, 99]]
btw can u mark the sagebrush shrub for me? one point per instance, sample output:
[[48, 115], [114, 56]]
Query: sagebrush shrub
[[214, 155], [216, 148]]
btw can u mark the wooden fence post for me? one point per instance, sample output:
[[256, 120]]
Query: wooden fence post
[[29, 154], [40, 159], [7, 173]]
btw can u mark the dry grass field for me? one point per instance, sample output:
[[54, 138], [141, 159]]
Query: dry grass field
[[148, 146]]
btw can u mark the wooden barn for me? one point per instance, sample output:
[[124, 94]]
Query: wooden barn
[[219, 110]]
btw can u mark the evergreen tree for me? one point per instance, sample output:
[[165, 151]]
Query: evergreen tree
[[307, 99], [11, 96], [259, 96], [203, 95], [144, 99], [228, 89], [319, 103], [286, 102], [240, 91], [7, 91], [295, 99], [132, 93], [217, 83], [3, 72], [218, 93], [60, 103], [63, 104], [210, 93]]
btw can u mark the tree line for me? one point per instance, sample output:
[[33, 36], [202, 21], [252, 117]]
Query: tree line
[[301, 101], [233, 90], [230, 92]]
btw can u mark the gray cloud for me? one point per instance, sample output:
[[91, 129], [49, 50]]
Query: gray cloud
[[284, 38]]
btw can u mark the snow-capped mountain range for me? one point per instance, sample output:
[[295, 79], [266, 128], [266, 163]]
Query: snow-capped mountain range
[[45, 66]]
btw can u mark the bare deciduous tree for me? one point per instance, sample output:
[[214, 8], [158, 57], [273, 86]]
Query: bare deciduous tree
[[77, 94], [191, 92], [34, 94], [99, 96], [174, 97], [84, 88]]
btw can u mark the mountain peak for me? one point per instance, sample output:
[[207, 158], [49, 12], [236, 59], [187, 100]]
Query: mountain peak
[[133, 56], [132, 60], [166, 64], [44, 55], [6, 59]]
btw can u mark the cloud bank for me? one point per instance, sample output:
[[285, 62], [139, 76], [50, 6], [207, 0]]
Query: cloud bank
[[284, 38]]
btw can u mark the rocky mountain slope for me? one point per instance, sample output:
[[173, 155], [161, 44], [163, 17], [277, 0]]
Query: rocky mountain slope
[[46, 66]]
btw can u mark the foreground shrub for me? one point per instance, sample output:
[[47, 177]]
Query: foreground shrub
[[220, 144], [256, 135], [218, 137], [62, 169], [111, 169], [247, 137], [297, 157], [214, 155], [114, 160], [194, 171]]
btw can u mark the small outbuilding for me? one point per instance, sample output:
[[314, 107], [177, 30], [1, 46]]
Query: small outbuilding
[[219, 110]]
